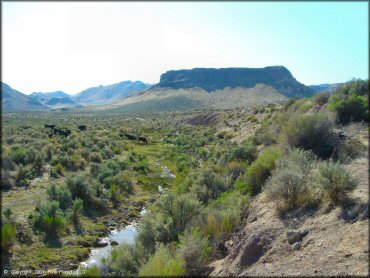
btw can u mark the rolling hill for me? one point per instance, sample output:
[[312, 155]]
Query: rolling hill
[[107, 94], [13, 100]]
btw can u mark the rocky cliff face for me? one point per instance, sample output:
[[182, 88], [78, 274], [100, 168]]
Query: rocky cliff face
[[211, 79]]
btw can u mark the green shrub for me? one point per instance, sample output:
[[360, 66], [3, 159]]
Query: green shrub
[[8, 237], [60, 194], [350, 149], [115, 195], [180, 209], [224, 215], [312, 132], [195, 251], [18, 155], [246, 152], [79, 187], [141, 166], [352, 108], [321, 98], [350, 101], [8, 213], [77, 206], [209, 186], [95, 157], [92, 271], [7, 181], [23, 176], [162, 263], [289, 184], [335, 181], [259, 171], [49, 218], [126, 259]]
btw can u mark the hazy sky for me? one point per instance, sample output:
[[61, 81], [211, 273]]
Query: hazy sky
[[49, 46]]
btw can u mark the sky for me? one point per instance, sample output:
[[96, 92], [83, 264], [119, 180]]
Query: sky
[[50, 46]]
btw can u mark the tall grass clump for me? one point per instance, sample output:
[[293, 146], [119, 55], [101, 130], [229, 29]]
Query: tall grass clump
[[162, 263], [8, 237]]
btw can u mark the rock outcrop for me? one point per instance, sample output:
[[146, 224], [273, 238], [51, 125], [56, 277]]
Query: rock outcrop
[[211, 79]]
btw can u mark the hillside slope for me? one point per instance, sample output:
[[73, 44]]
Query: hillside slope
[[337, 242], [13, 100], [106, 94]]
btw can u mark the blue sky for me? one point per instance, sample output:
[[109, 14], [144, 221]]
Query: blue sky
[[67, 46]]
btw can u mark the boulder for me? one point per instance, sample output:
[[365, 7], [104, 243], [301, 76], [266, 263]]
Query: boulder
[[297, 245], [293, 236], [113, 242], [102, 242]]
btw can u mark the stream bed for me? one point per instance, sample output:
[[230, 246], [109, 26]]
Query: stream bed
[[126, 235]]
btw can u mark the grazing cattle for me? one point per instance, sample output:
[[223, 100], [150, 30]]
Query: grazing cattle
[[130, 137], [143, 139], [82, 127], [65, 132], [49, 126], [56, 130]]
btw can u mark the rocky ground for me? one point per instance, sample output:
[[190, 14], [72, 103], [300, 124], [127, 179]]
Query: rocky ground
[[319, 241]]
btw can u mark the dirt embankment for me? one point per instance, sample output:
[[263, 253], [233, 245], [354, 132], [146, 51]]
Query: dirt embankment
[[331, 241]]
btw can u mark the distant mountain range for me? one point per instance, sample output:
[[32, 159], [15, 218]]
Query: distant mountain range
[[54, 100], [107, 94], [325, 87], [12, 100], [177, 89]]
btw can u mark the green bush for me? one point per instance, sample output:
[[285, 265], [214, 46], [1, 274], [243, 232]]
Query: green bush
[[60, 194], [23, 176], [289, 184], [350, 149], [209, 186], [195, 251], [352, 108], [259, 171], [77, 206], [126, 259], [7, 181], [8, 237], [79, 187], [95, 157], [18, 155], [321, 98], [312, 132], [49, 218], [246, 152], [350, 102], [162, 263], [335, 181], [224, 215]]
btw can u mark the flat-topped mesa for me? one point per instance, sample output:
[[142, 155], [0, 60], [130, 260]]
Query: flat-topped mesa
[[211, 79]]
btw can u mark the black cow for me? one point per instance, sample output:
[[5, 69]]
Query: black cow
[[49, 126], [50, 135], [65, 132], [82, 127], [56, 130], [143, 139], [129, 136]]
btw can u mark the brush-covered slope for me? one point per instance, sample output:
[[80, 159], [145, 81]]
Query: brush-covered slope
[[107, 94], [13, 100]]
